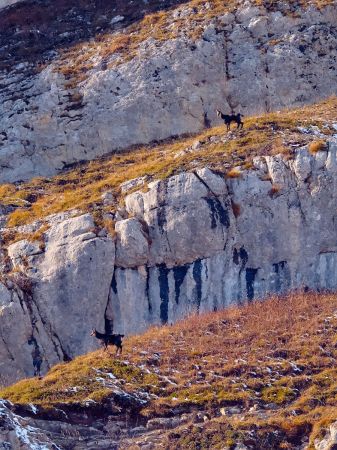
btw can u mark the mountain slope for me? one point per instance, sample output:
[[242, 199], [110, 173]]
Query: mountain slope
[[88, 79], [263, 375]]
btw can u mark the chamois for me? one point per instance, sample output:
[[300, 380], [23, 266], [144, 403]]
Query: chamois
[[109, 339], [230, 118]]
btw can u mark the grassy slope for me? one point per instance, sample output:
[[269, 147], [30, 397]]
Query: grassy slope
[[275, 360], [83, 186]]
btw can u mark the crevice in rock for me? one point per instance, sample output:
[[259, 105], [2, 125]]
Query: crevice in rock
[[108, 323], [11, 356], [147, 289]]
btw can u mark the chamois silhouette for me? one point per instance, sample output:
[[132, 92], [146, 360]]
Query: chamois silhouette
[[109, 339], [229, 118]]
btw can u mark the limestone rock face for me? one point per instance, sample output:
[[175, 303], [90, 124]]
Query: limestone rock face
[[253, 61], [215, 242], [132, 243], [194, 242], [70, 280]]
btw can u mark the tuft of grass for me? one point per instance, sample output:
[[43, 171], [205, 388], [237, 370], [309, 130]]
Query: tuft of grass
[[277, 394], [317, 146], [19, 217], [234, 173]]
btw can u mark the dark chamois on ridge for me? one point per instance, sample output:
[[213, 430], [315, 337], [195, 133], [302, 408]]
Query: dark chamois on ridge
[[109, 339], [228, 118]]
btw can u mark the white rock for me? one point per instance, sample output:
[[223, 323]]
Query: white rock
[[116, 19], [130, 184], [132, 248], [23, 248]]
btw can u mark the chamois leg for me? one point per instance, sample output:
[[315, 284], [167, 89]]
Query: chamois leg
[[105, 348], [118, 350]]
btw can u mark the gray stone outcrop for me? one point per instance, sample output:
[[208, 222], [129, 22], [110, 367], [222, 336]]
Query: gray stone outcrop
[[69, 283]]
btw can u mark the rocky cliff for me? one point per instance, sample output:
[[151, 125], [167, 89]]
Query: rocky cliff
[[197, 241], [78, 82]]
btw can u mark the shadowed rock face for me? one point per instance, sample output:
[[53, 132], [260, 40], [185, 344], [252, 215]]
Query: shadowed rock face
[[182, 251], [253, 61]]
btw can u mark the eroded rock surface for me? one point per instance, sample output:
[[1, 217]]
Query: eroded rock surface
[[69, 282]]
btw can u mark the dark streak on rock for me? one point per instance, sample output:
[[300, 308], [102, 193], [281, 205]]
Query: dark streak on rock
[[114, 284], [179, 274], [161, 218], [147, 289], [240, 255], [197, 267], [250, 278], [218, 212], [164, 292], [283, 276]]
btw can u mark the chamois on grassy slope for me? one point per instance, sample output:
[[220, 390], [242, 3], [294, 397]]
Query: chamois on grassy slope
[[229, 118], [109, 339]]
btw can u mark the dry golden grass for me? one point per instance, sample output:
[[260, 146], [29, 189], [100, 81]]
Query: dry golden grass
[[83, 186], [281, 351], [317, 146], [234, 173]]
